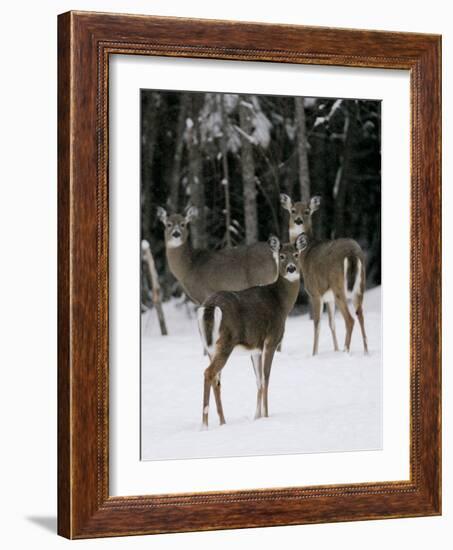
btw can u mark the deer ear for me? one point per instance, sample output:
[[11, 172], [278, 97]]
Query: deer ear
[[192, 213], [274, 243], [162, 214], [301, 242], [315, 203], [285, 201]]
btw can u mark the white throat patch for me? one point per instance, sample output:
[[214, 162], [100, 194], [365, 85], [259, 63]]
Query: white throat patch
[[295, 231], [173, 242], [294, 276]]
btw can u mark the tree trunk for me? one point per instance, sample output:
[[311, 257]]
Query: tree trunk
[[179, 148], [149, 135], [304, 175], [226, 176], [248, 173], [196, 184], [320, 184], [156, 292], [344, 171]]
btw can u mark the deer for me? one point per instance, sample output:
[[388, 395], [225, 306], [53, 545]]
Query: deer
[[333, 272], [251, 321], [203, 272]]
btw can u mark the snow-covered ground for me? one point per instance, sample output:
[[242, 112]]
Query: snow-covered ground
[[331, 402]]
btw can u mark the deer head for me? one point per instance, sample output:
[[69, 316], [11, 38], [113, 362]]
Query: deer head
[[176, 225], [300, 214], [289, 258]]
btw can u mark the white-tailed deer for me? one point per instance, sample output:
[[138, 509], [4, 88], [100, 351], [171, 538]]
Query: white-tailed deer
[[251, 320], [333, 272], [203, 272]]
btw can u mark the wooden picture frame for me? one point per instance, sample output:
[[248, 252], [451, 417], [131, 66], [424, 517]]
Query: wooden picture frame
[[85, 42]]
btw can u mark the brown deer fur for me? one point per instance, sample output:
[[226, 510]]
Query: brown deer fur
[[333, 271], [252, 320], [203, 272]]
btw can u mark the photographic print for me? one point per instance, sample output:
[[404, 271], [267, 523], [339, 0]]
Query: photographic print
[[225, 342], [260, 275]]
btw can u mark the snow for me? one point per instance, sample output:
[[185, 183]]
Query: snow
[[230, 102], [331, 402], [247, 104], [291, 129], [309, 102], [262, 129], [337, 104], [326, 119]]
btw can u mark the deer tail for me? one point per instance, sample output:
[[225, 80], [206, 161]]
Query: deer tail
[[209, 319], [350, 270], [353, 277]]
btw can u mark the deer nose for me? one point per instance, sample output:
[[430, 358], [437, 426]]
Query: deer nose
[[291, 268], [299, 221], [176, 234]]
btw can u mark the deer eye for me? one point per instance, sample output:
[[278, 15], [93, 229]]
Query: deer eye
[[282, 256], [182, 224], [293, 210], [169, 224], [296, 255]]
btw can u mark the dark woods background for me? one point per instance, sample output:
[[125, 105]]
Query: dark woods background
[[231, 155]]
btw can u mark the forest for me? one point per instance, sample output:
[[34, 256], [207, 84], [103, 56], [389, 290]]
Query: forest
[[231, 155]]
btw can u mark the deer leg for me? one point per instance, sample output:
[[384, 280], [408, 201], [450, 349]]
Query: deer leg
[[331, 312], [316, 305], [258, 368], [218, 401], [212, 379], [267, 364], [348, 320], [206, 395], [359, 312]]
